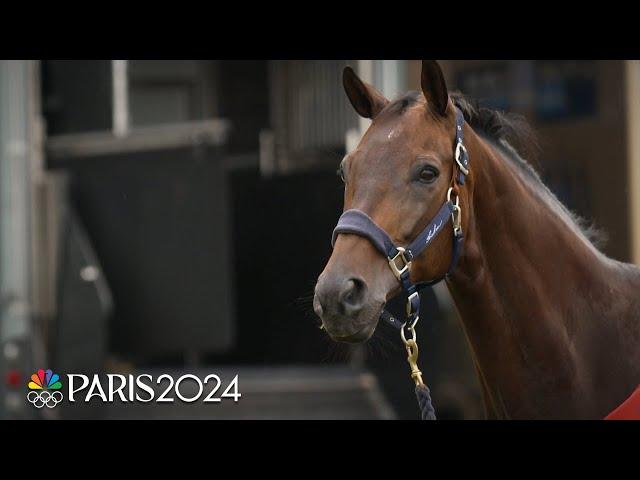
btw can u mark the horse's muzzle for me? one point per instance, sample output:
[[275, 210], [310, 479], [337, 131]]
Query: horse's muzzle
[[343, 304]]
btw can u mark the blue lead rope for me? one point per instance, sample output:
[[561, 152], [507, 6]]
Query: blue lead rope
[[427, 412]]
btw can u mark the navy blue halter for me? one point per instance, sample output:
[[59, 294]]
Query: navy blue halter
[[359, 223]]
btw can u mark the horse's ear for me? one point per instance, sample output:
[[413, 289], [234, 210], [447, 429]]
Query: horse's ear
[[434, 87], [367, 101]]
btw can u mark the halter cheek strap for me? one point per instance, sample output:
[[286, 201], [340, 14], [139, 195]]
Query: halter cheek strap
[[359, 223]]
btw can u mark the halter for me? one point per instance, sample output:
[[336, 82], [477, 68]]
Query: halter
[[359, 223]]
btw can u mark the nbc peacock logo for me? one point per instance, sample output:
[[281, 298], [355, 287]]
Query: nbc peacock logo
[[44, 389]]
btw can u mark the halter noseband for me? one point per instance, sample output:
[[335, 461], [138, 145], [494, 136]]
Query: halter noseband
[[359, 223]]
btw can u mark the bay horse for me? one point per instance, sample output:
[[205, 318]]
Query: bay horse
[[553, 324]]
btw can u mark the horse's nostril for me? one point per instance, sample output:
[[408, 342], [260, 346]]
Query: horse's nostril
[[339, 297], [352, 295]]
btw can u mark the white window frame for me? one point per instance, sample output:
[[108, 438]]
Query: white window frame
[[123, 137]]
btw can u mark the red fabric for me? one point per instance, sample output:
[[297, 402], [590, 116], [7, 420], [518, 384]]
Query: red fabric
[[629, 410]]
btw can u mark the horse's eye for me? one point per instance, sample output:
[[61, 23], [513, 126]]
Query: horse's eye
[[428, 174], [340, 173]]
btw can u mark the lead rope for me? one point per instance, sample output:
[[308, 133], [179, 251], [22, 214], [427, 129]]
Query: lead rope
[[423, 394]]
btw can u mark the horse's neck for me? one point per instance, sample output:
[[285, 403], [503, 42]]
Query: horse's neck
[[533, 293]]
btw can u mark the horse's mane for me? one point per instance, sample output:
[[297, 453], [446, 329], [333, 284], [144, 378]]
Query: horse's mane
[[499, 126], [515, 138]]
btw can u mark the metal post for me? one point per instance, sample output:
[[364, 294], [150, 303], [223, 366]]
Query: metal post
[[120, 98], [15, 228], [15, 198], [391, 77], [632, 71]]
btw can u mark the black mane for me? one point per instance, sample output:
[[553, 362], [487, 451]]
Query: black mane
[[499, 126], [515, 138]]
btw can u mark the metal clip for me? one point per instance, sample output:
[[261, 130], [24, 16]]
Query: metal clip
[[394, 267], [412, 350]]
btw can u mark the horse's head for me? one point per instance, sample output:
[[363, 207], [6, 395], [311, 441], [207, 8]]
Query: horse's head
[[399, 176]]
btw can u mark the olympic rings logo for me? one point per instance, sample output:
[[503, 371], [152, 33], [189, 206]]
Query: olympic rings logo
[[40, 399]]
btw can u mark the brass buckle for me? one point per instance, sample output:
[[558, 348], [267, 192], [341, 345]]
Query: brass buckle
[[398, 271], [408, 308], [459, 149]]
